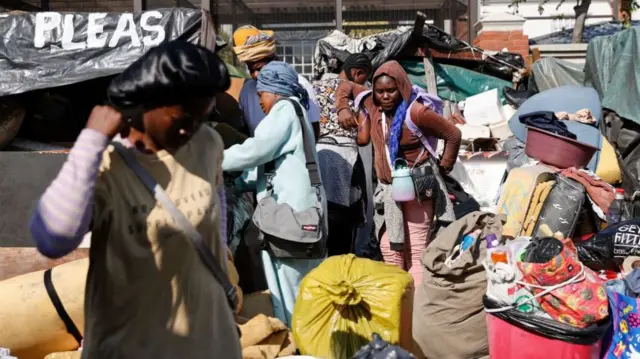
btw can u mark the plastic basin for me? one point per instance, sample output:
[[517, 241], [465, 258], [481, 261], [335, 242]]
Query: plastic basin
[[556, 150]]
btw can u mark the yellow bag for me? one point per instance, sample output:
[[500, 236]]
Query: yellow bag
[[65, 355], [608, 168], [345, 300], [29, 325]]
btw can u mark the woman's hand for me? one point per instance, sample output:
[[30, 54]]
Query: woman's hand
[[346, 119], [458, 119], [105, 120]]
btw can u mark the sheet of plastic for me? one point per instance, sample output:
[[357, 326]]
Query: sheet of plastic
[[345, 300], [50, 49], [550, 72], [454, 83], [612, 69]]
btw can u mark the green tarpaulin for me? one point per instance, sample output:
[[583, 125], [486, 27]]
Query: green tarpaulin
[[454, 83], [613, 69]]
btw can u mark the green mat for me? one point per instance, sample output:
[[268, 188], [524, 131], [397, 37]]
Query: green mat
[[236, 72], [454, 83]]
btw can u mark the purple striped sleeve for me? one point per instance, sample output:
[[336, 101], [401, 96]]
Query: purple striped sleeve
[[63, 214]]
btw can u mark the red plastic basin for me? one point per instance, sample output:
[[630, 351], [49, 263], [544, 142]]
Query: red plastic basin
[[510, 342], [558, 151]]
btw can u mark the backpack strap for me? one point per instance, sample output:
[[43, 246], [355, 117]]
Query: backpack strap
[[435, 104], [57, 304], [357, 102], [309, 144], [201, 247]]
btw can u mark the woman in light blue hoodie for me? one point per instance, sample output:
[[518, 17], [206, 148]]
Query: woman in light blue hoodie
[[279, 139]]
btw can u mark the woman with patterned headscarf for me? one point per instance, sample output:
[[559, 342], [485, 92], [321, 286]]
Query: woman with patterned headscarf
[[257, 48], [279, 140]]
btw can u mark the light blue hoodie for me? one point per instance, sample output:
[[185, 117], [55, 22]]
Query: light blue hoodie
[[278, 137]]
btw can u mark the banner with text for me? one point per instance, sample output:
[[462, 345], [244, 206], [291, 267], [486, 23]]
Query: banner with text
[[48, 49]]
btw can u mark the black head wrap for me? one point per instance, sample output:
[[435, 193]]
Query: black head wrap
[[169, 74], [356, 61]]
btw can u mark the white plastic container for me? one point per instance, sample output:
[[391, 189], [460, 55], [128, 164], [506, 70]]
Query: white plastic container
[[500, 130], [484, 109]]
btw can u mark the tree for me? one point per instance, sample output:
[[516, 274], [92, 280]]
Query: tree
[[627, 7]]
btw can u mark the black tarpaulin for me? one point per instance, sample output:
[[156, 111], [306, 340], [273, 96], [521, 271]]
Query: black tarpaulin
[[50, 49]]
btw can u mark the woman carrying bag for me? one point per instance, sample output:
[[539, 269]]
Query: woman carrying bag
[[404, 124], [280, 162], [157, 285]]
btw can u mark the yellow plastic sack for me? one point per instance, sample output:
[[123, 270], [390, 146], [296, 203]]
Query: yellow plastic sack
[[345, 300], [29, 324], [608, 168], [65, 355]]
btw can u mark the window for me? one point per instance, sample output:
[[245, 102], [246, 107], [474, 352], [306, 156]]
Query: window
[[299, 54]]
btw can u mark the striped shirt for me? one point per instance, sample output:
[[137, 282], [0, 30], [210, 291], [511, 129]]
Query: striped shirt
[[63, 214]]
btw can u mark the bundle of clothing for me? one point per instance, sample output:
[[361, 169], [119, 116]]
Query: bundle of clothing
[[265, 338], [253, 44]]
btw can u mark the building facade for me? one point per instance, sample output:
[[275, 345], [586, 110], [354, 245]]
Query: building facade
[[551, 17]]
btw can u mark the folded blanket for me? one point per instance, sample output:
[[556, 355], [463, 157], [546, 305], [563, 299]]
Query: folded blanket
[[540, 194]]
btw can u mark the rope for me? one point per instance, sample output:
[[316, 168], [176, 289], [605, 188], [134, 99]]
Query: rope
[[509, 272]]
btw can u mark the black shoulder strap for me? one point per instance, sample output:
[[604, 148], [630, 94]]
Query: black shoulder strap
[[62, 313], [309, 144], [204, 252]]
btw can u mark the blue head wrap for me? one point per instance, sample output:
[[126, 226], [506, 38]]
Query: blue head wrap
[[281, 79], [395, 132]]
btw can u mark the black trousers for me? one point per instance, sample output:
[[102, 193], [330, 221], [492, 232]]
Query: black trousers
[[344, 221]]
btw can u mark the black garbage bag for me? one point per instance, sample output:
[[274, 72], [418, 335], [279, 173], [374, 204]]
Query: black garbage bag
[[515, 97], [550, 328], [542, 250], [379, 349], [503, 63], [596, 252], [463, 203], [620, 240]]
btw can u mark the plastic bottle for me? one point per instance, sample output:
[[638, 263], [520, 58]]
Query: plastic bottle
[[495, 251], [616, 210], [468, 240]]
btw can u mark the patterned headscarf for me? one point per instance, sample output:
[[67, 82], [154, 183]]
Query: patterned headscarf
[[252, 44], [281, 79]]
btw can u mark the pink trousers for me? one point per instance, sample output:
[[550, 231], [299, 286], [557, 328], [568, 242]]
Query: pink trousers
[[417, 228]]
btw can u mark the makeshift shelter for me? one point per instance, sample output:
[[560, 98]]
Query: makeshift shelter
[[420, 40], [611, 69], [61, 69]]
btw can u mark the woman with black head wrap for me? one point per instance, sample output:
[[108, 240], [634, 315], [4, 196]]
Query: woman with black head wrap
[[148, 295], [341, 166]]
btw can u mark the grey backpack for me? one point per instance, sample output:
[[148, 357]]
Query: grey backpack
[[284, 232]]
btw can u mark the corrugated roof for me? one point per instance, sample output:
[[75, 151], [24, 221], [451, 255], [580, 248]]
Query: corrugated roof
[[268, 6], [590, 32]]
